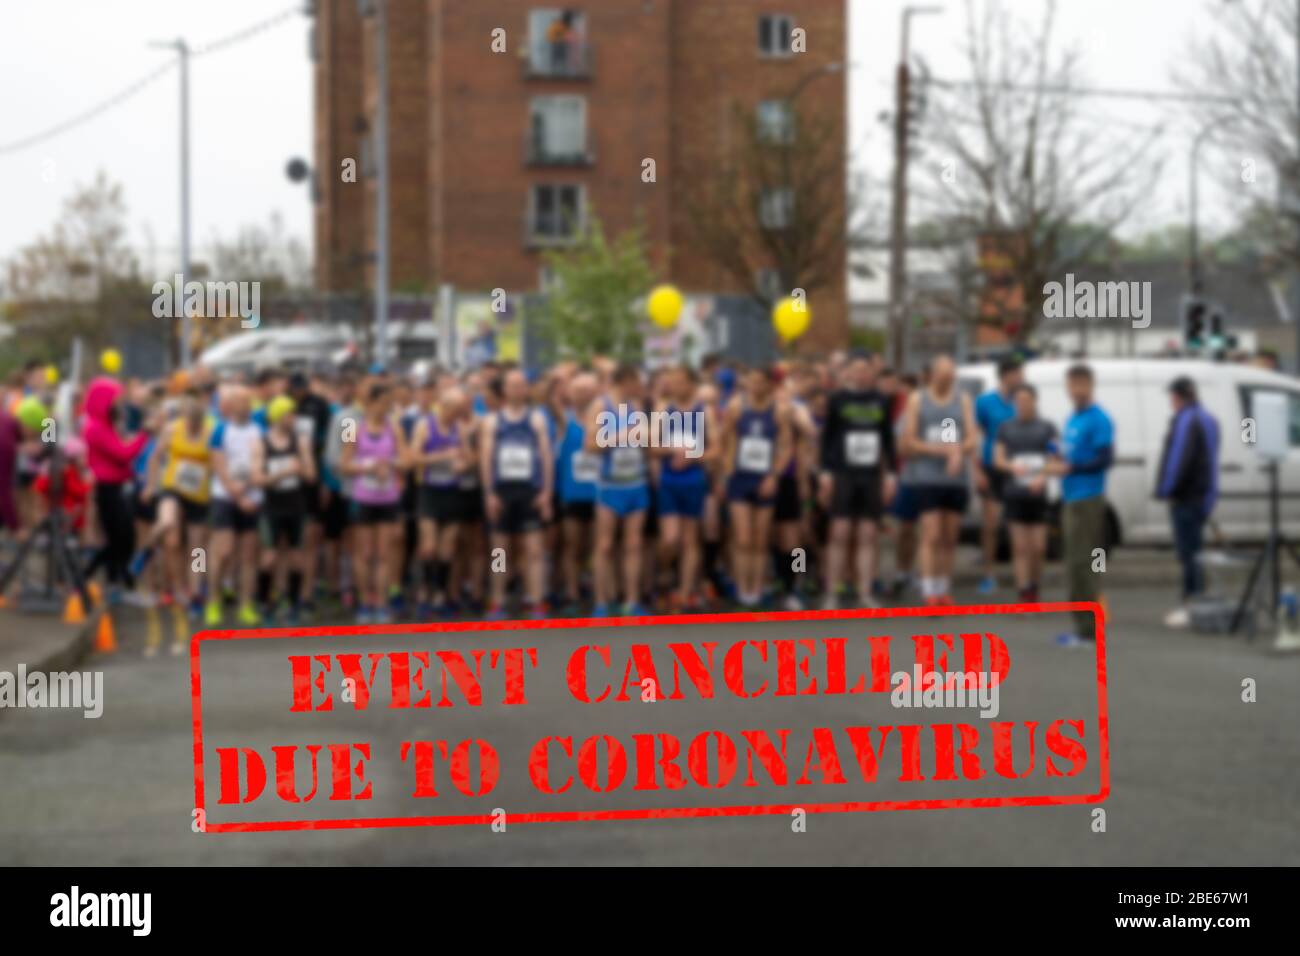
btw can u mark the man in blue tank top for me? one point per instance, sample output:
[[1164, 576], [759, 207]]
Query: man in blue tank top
[[622, 493], [516, 469]]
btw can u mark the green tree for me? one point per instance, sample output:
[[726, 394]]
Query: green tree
[[590, 307]]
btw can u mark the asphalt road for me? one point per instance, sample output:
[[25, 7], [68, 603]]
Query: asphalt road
[[1198, 777]]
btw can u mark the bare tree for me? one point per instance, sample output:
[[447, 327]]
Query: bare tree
[[778, 201], [1012, 160], [1244, 73]]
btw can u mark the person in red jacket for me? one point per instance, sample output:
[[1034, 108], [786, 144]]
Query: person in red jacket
[[111, 459], [74, 494]]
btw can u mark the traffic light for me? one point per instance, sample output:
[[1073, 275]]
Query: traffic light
[[1194, 324]]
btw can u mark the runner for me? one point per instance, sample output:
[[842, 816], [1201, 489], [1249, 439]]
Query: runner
[[904, 508], [684, 464], [515, 465], [312, 421], [374, 460], [283, 467], [181, 467], [578, 472], [235, 506], [441, 458], [792, 490], [758, 445], [991, 410], [1024, 448], [622, 492], [346, 412], [858, 465], [939, 436]]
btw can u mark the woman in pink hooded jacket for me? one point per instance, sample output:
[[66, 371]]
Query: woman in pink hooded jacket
[[111, 460]]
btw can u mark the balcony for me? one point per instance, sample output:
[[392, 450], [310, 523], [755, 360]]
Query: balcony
[[569, 60]]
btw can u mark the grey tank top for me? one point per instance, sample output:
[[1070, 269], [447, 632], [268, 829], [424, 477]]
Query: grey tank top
[[937, 422]]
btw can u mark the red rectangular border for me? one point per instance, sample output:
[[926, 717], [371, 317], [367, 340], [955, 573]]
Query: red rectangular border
[[390, 630]]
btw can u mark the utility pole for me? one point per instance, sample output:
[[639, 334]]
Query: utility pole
[[1295, 273], [183, 51], [898, 224], [381, 190]]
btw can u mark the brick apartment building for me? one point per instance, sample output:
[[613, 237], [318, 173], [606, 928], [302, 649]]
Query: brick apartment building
[[495, 156]]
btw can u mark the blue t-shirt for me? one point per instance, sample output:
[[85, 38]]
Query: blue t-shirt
[[991, 410], [1089, 435]]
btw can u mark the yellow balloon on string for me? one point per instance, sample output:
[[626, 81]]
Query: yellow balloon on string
[[791, 318], [665, 306]]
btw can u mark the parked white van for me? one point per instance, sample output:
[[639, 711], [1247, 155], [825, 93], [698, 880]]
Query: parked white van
[[1134, 393]]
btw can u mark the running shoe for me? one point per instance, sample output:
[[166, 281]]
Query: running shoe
[[248, 616], [212, 614], [988, 584]]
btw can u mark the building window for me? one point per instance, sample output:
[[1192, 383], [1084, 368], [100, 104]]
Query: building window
[[557, 133], [768, 283], [776, 208], [557, 43], [776, 122], [555, 213], [774, 34]]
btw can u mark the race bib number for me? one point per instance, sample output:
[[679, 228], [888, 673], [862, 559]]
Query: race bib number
[[625, 464], [305, 427], [755, 454], [1032, 463], [935, 434], [277, 468], [190, 477], [586, 468], [440, 473], [862, 449], [515, 463]]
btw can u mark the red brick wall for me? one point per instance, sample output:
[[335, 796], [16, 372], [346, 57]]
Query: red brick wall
[[408, 136], [665, 76], [483, 114], [340, 215], [716, 65]]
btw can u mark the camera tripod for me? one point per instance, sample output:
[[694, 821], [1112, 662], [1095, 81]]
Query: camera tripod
[[61, 565], [1270, 554]]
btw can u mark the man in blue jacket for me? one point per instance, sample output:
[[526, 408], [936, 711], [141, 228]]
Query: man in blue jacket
[[1189, 480]]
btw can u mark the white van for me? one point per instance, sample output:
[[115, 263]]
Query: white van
[[1134, 393]]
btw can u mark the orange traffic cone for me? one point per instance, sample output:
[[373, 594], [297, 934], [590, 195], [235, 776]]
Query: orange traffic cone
[[96, 596], [4, 601], [74, 612], [105, 638]]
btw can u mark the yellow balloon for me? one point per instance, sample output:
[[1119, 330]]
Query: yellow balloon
[[665, 306], [110, 360], [51, 375], [791, 319]]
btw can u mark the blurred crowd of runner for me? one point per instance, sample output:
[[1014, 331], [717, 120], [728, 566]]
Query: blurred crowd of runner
[[588, 490]]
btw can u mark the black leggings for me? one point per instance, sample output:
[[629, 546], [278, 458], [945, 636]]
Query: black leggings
[[116, 524]]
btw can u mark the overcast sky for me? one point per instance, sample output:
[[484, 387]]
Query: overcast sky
[[251, 103]]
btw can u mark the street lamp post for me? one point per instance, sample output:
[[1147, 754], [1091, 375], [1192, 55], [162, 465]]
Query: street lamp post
[[183, 51], [898, 225], [381, 190]]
